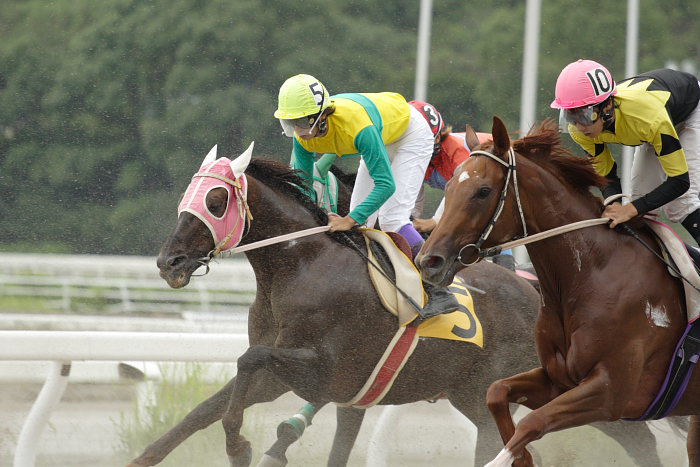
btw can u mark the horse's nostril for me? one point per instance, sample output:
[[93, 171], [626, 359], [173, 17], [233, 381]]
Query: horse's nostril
[[433, 262], [173, 261]]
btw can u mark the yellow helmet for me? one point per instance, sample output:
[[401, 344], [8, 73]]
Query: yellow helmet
[[301, 96]]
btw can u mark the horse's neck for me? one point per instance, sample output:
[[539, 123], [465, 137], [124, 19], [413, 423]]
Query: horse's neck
[[275, 214], [555, 206]]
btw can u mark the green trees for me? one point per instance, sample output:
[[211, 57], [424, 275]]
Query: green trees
[[106, 108]]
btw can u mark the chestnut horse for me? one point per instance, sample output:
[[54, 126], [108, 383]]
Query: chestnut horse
[[611, 314], [349, 329]]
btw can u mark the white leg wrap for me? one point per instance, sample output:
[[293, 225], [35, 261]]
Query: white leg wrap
[[503, 459]]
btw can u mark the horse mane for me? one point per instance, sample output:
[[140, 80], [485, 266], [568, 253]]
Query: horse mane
[[283, 179], [346, 178], [543, 145]]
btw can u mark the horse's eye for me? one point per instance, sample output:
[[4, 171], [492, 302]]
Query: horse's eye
[[483, 192], [216, 207], [216, 201]]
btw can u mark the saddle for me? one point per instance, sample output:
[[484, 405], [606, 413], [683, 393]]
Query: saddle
[[393, 255], [678, 255]]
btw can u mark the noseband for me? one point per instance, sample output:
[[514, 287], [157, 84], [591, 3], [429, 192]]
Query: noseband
[[511, 174]]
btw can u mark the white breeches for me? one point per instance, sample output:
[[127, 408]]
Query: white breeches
[[409, 157], [647, 173]]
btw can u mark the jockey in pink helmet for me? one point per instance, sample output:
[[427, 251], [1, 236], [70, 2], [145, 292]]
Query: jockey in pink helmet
[[658, 113]]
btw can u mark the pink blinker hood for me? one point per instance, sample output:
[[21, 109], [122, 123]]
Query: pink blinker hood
[[226, 230]]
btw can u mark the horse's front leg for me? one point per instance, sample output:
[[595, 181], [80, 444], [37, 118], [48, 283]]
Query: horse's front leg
[[592, 400], [531, 389], [348, 423], [201, 417], [266, 388], [290, 366]]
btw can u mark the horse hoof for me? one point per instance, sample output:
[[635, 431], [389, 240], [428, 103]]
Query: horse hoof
[[242, 459], [269, 461]]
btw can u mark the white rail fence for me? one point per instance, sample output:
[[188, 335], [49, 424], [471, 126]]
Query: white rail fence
[[121, 284], [64, 347]]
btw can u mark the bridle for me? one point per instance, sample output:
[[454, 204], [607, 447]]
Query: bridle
[[511, 174], [244, 216]]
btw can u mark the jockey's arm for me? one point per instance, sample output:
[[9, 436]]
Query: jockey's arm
[[673, 162], [369, 143]]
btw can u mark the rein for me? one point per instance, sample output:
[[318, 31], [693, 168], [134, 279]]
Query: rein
[[542, 235], [204, 260], [525, 239], [277, 239]]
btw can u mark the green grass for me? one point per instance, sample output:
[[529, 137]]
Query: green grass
[[17, 304], [173, 398]]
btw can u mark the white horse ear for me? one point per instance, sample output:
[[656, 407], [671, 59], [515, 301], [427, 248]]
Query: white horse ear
[[211, 157], [240, 163]]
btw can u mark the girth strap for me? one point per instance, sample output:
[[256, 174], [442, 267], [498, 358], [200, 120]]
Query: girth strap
[[685, 358]]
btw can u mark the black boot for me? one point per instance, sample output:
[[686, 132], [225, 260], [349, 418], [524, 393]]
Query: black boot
[[507, 261], [440, 300]]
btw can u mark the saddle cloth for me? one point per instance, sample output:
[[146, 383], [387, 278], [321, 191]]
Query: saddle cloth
[[462, 325], [679, 255]]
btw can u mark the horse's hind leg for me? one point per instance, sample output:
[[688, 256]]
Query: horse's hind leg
[[694, 441], [349, 422], [637, 439], [289, 432]]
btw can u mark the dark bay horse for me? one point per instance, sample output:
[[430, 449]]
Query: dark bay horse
[[611, 314], [323, 347]]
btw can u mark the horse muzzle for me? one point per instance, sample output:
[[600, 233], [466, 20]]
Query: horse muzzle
[[176, 270], [437, 270]]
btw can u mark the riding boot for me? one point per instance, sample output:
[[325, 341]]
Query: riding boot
[[440, 300], [507, 261]]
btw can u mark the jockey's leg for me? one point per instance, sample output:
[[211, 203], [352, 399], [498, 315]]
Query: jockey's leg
[[440, 299], [686, 208]]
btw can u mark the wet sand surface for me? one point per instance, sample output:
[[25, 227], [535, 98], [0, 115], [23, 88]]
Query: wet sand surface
[[84, 431]]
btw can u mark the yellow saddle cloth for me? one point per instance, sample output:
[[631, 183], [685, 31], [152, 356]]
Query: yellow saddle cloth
[[461, 325]]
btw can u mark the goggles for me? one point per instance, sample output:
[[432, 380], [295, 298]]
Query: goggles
[[303, 126], [582, 115]]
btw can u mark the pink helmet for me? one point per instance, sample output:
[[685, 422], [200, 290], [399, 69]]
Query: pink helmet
[[581, 83]]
